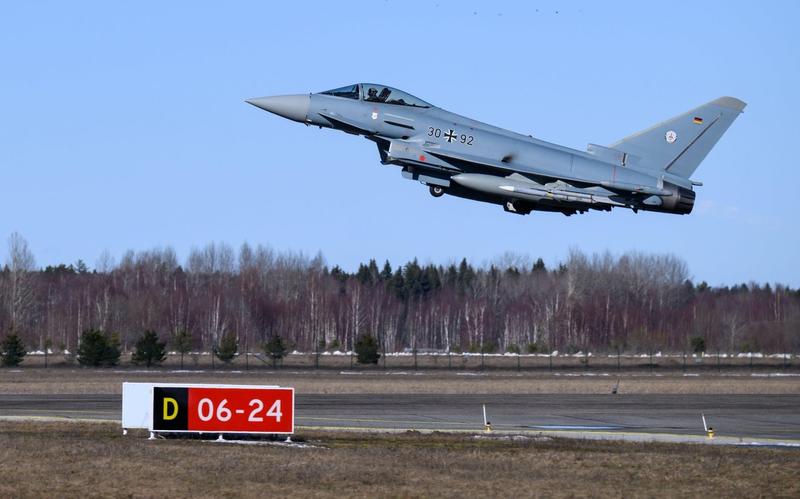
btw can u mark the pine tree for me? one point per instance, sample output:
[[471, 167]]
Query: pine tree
[[398, 284], [91, 348], [466, 274], [698, 344], [228, 346], [367, 349], [435, 276], [373, 270], [275, 348], [386, 273], [182, 343], [429, 280], [451, 275], [112, 351], [413, 277], [363, 274], [98, 349], [338, 274], [424, 284], [149, 350], [12, 350]]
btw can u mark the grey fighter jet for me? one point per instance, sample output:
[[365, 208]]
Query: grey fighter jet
[[650, 170]]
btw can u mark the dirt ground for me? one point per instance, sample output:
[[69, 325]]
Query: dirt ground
[[95, 460], [74, 380]]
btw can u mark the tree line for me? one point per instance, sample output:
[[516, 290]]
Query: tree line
[[635, 302]]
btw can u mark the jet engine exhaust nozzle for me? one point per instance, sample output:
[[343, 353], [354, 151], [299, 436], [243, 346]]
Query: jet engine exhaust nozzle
[[679, 202]]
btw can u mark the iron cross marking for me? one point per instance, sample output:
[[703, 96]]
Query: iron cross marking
[[450, 135]]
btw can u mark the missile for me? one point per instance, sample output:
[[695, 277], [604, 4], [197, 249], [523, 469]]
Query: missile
[[500, 186], [524, 190]]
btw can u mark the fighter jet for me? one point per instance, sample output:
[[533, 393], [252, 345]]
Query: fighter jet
[[650, 170]]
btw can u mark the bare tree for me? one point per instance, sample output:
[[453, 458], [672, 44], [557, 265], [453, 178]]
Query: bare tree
[[20, 292], [633, 301]]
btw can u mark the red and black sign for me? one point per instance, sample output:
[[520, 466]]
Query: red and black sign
[[223, 409]]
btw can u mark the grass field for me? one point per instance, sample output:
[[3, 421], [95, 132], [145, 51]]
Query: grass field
[[64, 380], [95, 460]]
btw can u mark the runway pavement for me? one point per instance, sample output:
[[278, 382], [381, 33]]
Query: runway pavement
[[736, 418]]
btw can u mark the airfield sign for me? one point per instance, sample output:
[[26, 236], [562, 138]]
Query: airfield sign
[[208, 408], [211, 409]]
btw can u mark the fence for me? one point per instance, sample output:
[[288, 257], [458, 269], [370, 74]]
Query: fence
[[462, 362]]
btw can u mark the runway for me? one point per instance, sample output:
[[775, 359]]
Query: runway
[[736, 418]]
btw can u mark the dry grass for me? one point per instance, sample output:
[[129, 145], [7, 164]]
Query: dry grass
[[99, 381], [95, 460]]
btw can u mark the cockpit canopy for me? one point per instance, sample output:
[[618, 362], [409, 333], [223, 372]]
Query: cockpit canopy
[[371, 92]]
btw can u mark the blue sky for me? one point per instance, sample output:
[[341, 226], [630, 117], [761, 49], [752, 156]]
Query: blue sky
[[123, 126]]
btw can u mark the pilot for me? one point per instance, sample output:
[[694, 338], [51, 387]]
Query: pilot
[[372, 94]]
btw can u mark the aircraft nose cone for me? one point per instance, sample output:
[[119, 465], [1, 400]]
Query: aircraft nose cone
[[293, 107]]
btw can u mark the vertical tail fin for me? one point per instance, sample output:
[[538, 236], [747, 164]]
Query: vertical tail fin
[[678, 145]]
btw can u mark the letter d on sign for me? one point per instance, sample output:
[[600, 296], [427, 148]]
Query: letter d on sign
[[170, 409], [170, 404]]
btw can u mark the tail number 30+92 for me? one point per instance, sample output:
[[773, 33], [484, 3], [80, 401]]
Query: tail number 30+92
[[450, 136]]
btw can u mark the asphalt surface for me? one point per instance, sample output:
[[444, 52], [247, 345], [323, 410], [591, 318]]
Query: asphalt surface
[[775, 417]]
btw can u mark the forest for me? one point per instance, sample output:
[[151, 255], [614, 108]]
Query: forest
[[634, 302]]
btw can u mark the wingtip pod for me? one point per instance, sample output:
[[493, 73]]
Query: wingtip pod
[[730, 103]]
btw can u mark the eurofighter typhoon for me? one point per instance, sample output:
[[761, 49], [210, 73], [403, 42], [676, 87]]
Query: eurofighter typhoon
[[650, 170]]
